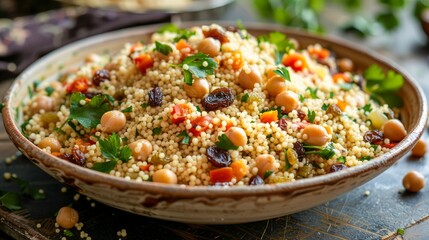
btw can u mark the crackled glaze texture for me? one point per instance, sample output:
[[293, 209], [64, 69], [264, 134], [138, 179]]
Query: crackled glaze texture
[[212, 205]]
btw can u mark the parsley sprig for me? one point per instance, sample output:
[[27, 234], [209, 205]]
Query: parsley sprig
[[311, 115], [199, 65], [111, 149], [324, 152], [165, 49], [281, 41], [225, 144], [283, 72], [313, 92], [185, 136], [181, 33]]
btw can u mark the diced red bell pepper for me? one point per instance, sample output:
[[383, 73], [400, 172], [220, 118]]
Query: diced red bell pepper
[[80, 84], [221, 175], [296, 61], [178, 115], [143, 62], [202, 122]]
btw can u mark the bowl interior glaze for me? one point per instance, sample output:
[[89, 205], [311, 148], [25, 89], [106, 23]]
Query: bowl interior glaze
[[212, 205]]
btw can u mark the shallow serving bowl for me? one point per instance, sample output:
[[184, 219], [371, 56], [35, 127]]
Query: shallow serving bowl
[[212, 205]]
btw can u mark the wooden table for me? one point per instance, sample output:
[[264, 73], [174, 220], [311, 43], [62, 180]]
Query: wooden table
[[373, 211]]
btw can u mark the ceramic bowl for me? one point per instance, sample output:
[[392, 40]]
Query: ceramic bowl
[[208, 205]]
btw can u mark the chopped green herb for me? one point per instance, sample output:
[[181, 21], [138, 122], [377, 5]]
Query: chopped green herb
[[278, 109], [374, 146], [282, 43], [367, 108], [311, 115], [127, 110], [49, 90], [88, 115], [181, 33], [225, 144], [283, 72], [163, 48], [400, 231], [124, 139], [23, 128], [30, 92], [268, 173], [245, 97], [10, 200], [199, 65], [325, 106], [287, 163], [269, 136], [168, 28], [331, 95], [240, 25], [112, 150], [156, 131], [324, 152], [301, 98], [28, 190], [68, 233], [1, 107], [198, 109], [366, 158], [313, 92], [341, 159], [185, 136], [144, 105]]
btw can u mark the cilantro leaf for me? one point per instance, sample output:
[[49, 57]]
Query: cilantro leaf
[[325, 106], [283, 72], [49, 90], [125, 153], [341, 159], [245, 97], [104, 166], [311, 115], [324, 152], [112, 150], [163, 48], [199, 65], [185, 136], [225, 144], [301, 98], [127, 110], [313, 92], [11, 201], [88, 115]]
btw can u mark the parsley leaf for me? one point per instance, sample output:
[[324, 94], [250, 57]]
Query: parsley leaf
[[311, 115], [225, 144], [127, 110], [181, 33], [163, 48], [245, 97], [313, 92], [282, 43], [156, 131], [11, 201], [283, 72], [301, 98], [331, 95], [112, 150], [400, 231], [144, 105], [366, 158], [324, 152], [24, 128], [88, 115], [105, 166], [49, 90], [341, 159], [198, 109], [268, 173], [367, 108], [325, 106], [199, 65], [185, 136]]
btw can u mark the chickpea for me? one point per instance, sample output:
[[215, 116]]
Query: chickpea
[[316, 135], [51, 142], [112, 121], [67, 217], [345, 65], [394, 130], [42, 103], [209, 46], [287, 99], [247, 80], [199, 88], [420, 149], [165, 176], [141, 149], [275, 85], [264, 163], [413, 181], [237, 136]]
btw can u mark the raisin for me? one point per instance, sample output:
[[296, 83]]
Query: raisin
[[155, 97], [256, 180], [282, 123], [66, 156], [100, 76], [301, 114], [373, 136], [219, 98], [338, 167], [78, 157], [218, 157], [299, 149], [216, 34], [334, 110]]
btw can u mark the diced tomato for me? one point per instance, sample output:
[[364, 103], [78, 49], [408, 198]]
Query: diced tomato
[[179, 113], [221, 175], [270, 116], [390, 145], [337, 76], [143, 62], [80, 84], [145, 168], [200, 124], [320, 53], [296, 61]]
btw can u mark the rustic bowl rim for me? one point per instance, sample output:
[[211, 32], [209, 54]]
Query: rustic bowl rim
[[94, 177]]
